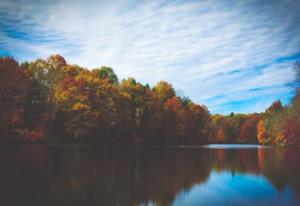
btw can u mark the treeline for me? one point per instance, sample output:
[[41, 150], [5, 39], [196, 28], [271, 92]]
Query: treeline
[[278, 125], [52, 101]]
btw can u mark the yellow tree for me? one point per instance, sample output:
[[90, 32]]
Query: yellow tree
[[164, 91]]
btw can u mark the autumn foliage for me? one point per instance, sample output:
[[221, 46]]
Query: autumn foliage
[[50, 100]]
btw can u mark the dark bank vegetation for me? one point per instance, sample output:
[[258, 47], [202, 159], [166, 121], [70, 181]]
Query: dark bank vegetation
[[52, 101]]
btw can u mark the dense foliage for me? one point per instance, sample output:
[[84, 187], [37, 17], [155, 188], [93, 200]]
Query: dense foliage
[[50, 100]]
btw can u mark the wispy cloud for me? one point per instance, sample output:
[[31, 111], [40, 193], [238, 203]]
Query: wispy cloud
[[230, 55]]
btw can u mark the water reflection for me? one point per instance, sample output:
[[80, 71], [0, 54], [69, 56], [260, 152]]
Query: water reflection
[[87, 175]]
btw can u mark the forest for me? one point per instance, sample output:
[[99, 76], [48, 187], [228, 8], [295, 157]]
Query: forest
[[52, 101]]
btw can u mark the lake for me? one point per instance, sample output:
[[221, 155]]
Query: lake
[[94, 175]]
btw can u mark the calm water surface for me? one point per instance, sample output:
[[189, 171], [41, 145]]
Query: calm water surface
[[93, 175]]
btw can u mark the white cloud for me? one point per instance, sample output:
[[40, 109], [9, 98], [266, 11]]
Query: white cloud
[[196, 45]]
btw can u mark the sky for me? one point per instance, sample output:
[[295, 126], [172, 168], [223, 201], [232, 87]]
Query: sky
[[232, 56]]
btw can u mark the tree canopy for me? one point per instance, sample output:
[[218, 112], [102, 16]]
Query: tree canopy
[[50, 100]]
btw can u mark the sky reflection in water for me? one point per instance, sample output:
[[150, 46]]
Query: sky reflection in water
[[230, 188]]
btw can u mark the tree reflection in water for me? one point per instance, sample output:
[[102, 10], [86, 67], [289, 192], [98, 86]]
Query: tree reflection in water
[[91, 175]]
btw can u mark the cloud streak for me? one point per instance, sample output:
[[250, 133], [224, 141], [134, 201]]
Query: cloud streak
[[231, 56]]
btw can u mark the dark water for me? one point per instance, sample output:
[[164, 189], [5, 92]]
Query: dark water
[[92, 175]]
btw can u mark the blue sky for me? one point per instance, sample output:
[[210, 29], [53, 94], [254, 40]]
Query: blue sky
[[232, 56]]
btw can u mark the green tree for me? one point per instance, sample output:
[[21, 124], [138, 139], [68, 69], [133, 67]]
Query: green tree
[[106, 73], [49, 73]]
